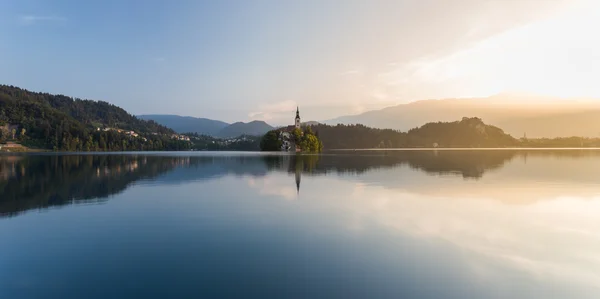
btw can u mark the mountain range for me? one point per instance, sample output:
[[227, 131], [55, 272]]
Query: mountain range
[[210, 127], [518, 115]]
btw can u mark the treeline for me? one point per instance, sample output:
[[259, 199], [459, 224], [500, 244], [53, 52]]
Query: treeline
[[468, 132], [57, 122], [560, 142]]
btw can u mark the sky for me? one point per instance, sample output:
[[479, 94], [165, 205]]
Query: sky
[[259, 59]]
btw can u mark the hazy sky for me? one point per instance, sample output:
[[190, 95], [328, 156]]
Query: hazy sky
[[242, 60]]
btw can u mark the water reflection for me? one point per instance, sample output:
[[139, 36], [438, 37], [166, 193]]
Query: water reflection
[[34, 182], [418, 224], [43, 181]]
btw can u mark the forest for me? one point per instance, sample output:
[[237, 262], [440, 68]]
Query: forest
[[468, 132], [61, 123]]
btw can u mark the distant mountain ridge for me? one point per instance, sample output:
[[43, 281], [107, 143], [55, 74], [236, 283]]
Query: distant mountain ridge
[[518, 115], [187, 124], [210, 127], [253, 128]]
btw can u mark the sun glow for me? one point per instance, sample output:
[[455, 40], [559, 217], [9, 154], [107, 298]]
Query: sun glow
[[556, 56]]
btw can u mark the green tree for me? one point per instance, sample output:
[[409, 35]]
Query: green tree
[[297, 133], [309, 130], [310, 143], [271, 142]]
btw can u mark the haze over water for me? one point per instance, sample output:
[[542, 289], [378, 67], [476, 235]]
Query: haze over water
[[369, 224]]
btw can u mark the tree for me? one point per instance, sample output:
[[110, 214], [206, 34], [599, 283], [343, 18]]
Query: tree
[[309, 130], [310, 143], [271, 142], [297, 133]]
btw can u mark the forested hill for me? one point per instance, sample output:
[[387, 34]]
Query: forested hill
[[64, 123], [468, 132], [98, 113]]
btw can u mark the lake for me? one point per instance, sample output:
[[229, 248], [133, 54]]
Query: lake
[[368, 224]]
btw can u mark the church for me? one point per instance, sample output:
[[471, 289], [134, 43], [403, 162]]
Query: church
[[287, 137]]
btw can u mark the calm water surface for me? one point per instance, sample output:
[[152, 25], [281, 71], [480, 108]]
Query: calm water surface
[[418, 224]]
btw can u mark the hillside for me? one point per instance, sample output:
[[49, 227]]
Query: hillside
[[466, 133], [187, 124], [516, 114], [253, 128], [59, 122]]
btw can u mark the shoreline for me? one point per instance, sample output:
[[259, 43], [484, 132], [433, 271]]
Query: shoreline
[[21, 150], [466, 148]]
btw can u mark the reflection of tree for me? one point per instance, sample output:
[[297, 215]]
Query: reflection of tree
[[466, 163], [34, 182], [303, 163], [469, 164], [43, 181], [300, 164]]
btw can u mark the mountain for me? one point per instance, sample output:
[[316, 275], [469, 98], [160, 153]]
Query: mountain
[[254, 128], [205, 126], [63, 123], [187, 124], [517, 114]]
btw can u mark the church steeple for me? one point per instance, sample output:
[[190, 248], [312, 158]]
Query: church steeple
[[297, 120]]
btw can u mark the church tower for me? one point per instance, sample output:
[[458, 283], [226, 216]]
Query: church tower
[[297, 118]]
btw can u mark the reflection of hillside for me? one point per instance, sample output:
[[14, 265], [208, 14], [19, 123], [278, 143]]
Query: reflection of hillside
[[44, 181], [468, 164], [200, 168]]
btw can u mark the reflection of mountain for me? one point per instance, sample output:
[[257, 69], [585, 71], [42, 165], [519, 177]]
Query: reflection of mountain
[[42, 181], [199, 168]]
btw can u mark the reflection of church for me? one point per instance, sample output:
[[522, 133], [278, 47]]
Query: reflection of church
[[298, 178]]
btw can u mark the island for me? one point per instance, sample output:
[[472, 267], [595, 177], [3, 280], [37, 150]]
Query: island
[[294, 138]]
